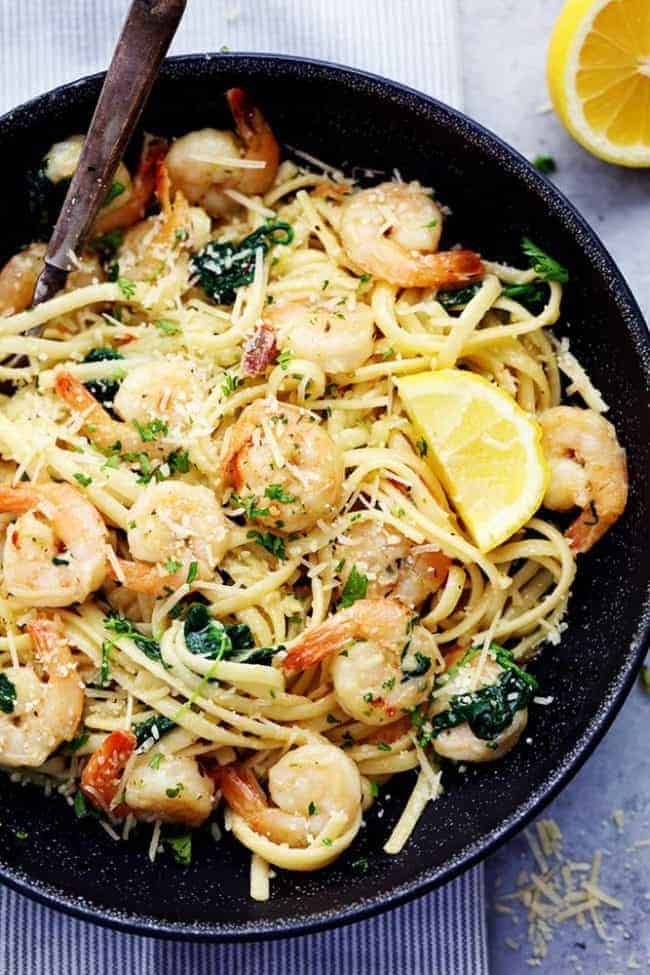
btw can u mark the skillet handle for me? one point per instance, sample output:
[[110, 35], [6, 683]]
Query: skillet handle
[[143, 43]]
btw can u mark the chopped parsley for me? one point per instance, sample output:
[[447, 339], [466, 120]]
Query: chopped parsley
[[285, 358], [116, 189], [374, 788], [178, 462], [545, 164], [155, 760], [80, 805], [180, 848], [57, 560], [327, 841], [151, 431], [83, 479], [312, 809], [168, 328], [272, 543], [644, 678], [356, 586], [421, 446], [105, 669], [127, 287], [527, 294], [78, 742], [542, 263], [7, 694], [275, 492], [172, 566], [229, 384], [250, 506], [222, 268], [362, 864], [174, 792], [192, 572], [106, 246], [383, 746]]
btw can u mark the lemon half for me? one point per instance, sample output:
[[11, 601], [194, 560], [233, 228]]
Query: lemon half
[[484, 448], [599, 77]]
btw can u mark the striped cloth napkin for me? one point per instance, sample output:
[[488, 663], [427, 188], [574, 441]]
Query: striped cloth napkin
[[44, 44]]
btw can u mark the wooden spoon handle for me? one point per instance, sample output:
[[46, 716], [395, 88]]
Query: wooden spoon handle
[[143, 43]]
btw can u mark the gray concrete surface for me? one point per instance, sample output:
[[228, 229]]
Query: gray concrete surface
[[504, 49]]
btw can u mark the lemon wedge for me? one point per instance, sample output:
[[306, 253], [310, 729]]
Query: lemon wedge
[[599, 77], [483, 447]]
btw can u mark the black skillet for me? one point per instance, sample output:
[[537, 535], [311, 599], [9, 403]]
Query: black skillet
[[354, 119]]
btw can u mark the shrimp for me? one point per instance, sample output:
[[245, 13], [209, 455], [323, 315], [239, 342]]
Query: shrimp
[[392, 232], [174, 789], [198, 161], [283, 447], [62, 160], [102, 774], [98, 425], [163, 242], [55, 552], [170, 390], [460, 743], [18, 279], [48, 699], [308, 786], [125, 210], [167, 391], [338, 336], [588, 471], [384, 661], [390, 564], [19, 275], [180, 522]]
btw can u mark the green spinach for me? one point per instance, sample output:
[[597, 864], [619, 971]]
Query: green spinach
[[223, 268], [210, 638], [104, 390], [7, 694], [123, 627], [489, 710]]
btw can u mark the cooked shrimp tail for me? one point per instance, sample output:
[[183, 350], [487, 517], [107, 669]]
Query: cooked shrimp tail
[[144, 185], [392, 232], [102, 775], [244, 795], [384, 660], [146, 578], [98, 424], [588, 471], [308, 786], [258, 142]]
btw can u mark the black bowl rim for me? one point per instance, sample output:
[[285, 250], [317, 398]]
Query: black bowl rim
[[257, 929]]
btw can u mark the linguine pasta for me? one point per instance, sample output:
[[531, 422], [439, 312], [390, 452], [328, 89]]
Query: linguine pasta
[[256, 476]]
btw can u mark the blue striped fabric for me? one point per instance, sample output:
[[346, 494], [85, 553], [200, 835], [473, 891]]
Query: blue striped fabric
[[439, 934], [45, 43]]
